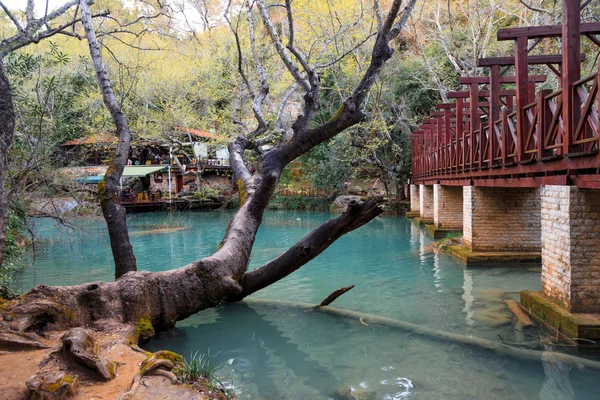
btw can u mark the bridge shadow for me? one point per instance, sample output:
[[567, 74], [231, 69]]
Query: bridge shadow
[[255, 349]]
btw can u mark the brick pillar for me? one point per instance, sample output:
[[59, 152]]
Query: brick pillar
[[448, 206], [571, 247], [415, 205], [502, 219], [426, 201]]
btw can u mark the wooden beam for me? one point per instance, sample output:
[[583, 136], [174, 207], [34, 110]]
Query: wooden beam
[[521, 73], [571, 73], [534, 32], [531, 60], [481, 93], [467, 80]]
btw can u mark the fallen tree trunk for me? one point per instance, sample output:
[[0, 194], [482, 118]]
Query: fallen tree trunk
[[485, 344]]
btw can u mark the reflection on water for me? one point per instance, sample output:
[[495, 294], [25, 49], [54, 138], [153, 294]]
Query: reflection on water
[[270, 352]]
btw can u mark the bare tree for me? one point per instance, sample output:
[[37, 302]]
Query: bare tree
[[108, 189], [163, 298]]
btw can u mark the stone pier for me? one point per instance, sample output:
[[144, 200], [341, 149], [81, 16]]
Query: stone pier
[[570, 293], [571, 247], [426, 204], [448, 207], [502, 219], [447, 210], [415, 204], [499, 225]]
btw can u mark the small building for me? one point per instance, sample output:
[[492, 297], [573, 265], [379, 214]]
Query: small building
[[154, 163]]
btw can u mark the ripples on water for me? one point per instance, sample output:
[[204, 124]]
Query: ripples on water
[[270, 352]]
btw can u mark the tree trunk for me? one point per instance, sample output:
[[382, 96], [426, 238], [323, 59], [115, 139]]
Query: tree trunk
[[109, 187], [7, 127], [163, 298]]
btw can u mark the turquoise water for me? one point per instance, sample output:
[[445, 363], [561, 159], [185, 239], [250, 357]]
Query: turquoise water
[[271, 352]]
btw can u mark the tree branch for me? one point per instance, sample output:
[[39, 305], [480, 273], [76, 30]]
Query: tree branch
[[356, 215], [12, 17], [334, 295], [292, 68], [290, 46]]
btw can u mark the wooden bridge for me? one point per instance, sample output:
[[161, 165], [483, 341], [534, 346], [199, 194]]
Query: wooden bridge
[[518, 170], [505, 137]]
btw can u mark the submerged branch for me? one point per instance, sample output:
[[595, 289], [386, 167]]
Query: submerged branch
[[334, 295]]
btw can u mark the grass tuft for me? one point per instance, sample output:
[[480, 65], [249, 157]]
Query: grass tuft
[[198, 366]]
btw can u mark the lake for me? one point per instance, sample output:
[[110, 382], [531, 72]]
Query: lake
[[271, 351]]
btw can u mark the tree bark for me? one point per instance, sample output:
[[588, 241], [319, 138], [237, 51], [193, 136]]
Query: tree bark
[[109, 187], [7, 127]]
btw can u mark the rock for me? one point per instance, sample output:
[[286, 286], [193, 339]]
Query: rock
[[51, 386], [17, 341], [341, 203], [348, 393], [81, 345]]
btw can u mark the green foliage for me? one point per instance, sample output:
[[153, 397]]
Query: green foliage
[[205, 193], [409, 88], [309, 203], [15, 240]]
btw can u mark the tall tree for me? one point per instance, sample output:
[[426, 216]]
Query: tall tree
[[163, 298], [108, 189]]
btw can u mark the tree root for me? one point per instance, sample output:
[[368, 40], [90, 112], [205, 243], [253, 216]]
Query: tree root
[[485, 344], [82, 346], [152, 365], [20, 341]]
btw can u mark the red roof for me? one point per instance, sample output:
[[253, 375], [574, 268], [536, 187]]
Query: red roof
[[98, 138], [199, 133]]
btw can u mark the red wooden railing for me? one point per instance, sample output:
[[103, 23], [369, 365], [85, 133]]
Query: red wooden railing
[[518, 137]]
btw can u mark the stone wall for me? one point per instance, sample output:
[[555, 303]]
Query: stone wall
[[414, 198], [502, 219], [448, 206], [426, 201], [571, 247]]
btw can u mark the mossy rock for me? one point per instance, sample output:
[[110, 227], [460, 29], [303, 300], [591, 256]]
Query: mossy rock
[[143, 330], [52, 386]]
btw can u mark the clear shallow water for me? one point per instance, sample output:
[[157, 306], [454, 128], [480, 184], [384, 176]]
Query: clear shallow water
[[270, 352]]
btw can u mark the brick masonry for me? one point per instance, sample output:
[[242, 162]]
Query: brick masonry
[[448, 207], [571, 247], [426, 201], [502, 219], [414, 198]]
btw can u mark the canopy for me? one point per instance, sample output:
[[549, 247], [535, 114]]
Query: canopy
[[92, 180], [142, 170]]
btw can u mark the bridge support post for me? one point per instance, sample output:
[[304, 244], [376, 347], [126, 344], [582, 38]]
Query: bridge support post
[[502, 220], [415, 204], [571, 247], [426, 203], [448, 207]]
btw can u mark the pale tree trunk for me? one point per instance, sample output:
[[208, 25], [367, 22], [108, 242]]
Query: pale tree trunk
[[109, 187], [7, 127]]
